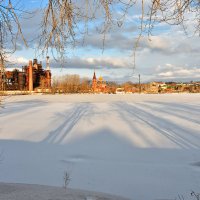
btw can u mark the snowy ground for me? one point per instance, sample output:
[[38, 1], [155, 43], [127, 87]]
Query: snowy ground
[[143, 147], [39, 192]]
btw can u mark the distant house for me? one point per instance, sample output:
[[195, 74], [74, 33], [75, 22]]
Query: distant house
[[151, 87], [120, 91]]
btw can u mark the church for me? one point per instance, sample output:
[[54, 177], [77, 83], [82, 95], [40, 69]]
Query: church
[[98, 85]]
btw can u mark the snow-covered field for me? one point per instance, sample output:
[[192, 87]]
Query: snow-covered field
[[15, 191], [143, 147]]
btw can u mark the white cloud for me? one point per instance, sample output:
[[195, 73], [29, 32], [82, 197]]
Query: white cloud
[[21, 60], [16, 61], [169, 65], [159, 42], [109, 61], [166, 74], [181, 72]]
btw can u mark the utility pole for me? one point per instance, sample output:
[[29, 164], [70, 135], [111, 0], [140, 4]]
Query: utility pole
[[139, 85]]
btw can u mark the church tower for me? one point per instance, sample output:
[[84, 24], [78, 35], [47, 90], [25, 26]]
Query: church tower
[[94, 82]]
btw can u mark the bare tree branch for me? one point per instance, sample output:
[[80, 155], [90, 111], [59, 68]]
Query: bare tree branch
[[10, 30], [66, 21], [62, 18]]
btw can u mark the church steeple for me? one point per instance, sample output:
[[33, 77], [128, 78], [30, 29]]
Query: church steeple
[[94, 76], [94, 82]]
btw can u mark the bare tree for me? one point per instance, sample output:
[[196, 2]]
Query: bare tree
[[66, 178], [85, 85], [10, 28], [64, 18], [68, 83], [64, 21], [10, 32]]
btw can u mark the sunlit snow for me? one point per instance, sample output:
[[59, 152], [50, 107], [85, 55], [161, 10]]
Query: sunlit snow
[[142, 147]]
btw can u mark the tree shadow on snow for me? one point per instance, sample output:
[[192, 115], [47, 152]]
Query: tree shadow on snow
[[21, 106], [69, 120], [172, 110], [173, 131]]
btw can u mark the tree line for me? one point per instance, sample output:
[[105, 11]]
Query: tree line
[[73, 83]]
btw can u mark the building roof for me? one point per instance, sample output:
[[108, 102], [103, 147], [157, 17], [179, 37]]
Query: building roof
[[100, 78]]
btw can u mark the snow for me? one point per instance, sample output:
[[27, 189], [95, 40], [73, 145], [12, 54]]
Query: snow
[[136, 146], [35, 192]]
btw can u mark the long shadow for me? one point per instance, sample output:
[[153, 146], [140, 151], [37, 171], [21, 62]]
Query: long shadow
[[70, 119], [20, 106], [138, 114], [169, 110], [161, 125], [179, 107], [137, 131]]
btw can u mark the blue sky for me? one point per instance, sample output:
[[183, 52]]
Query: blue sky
[[170, 55]]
